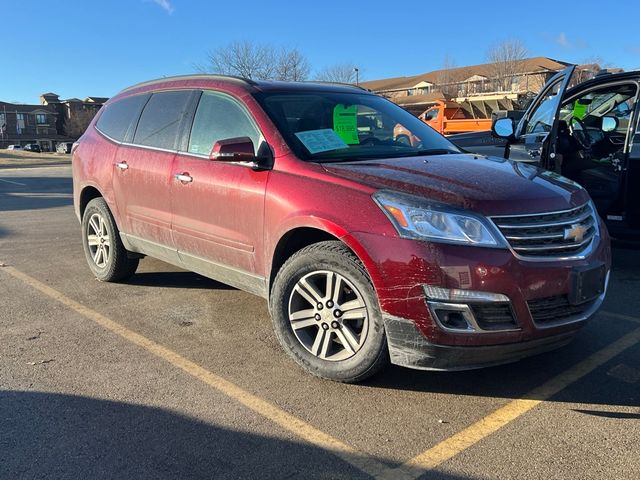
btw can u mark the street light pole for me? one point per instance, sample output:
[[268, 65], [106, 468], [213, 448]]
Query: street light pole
[[357, 79]]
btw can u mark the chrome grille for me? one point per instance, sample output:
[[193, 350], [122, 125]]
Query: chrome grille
[[555, 234]]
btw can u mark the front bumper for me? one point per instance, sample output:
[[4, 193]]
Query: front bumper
[[409, 348], [401, 269]]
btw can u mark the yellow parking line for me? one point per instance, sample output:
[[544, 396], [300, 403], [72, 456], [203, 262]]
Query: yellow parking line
[[411, 469], [278, 416], [468, 437]]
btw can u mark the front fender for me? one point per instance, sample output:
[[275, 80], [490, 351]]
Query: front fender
[[334, 229]]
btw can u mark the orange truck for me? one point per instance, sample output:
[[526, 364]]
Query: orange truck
[[449, 117]]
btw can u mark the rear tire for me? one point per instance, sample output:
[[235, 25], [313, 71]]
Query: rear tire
[[326, 316], [107, 258]]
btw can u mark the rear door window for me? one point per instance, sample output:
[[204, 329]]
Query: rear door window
[[160, 121], [220, 117], [119, 117]]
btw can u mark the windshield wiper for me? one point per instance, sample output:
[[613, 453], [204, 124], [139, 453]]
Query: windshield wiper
[[390, 156], [431, 151]]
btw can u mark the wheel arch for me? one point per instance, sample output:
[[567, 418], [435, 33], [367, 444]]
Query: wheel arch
[[298, 237], [87, 194]]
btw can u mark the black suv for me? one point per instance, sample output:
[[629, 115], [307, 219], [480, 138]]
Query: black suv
[[587, 133]]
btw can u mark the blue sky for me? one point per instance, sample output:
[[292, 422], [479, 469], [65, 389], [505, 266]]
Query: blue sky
[[78, 48]]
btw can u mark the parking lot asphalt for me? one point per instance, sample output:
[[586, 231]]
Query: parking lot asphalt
[[172, 375]]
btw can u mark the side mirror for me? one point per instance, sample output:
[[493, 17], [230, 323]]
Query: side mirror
[[503, 128], [609, 124], [238, 149]]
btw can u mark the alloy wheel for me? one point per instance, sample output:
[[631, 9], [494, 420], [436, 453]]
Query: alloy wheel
[[98, 240], [328, 315]]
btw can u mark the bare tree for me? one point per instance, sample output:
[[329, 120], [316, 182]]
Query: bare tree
[[258, 62], [292, 66], [75, 126], [506, 62], [588, 68], [444, 79], [244, 59], [339, 73]]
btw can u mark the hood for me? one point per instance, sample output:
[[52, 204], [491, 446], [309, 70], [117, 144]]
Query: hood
[[487, 185]]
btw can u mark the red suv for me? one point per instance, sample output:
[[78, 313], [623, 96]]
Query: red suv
[[368, 248]]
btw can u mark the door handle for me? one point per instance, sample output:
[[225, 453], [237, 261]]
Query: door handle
[[122, 165], [184, 177]]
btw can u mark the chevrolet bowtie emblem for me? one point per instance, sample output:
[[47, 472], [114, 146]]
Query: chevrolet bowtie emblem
[[576, 232]]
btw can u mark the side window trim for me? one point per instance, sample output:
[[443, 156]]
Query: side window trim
[[236, 101], [133, 126], [187, 124]]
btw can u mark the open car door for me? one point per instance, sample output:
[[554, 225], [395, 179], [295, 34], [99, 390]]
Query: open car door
[[533, 140]]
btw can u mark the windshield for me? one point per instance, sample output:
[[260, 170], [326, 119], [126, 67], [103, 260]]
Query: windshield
[[613, 101], [331, 126]]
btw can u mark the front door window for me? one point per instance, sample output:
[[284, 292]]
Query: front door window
[[219, 117], [541, 121]]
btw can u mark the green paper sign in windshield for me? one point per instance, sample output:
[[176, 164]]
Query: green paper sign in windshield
[[345, 123], [579, 110]]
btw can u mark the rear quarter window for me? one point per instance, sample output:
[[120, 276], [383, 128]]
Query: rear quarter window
[[118, 117]]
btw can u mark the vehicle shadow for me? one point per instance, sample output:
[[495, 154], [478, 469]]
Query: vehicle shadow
[[27, 156], [180, 279], [34, 193], [48, 435], [51, 163], [519, 380]]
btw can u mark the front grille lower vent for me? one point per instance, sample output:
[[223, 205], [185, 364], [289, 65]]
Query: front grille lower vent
[[494, 316], [553, 309], [556, 234]]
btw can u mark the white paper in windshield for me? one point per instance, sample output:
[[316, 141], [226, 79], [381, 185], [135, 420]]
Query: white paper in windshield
[[323, 140]]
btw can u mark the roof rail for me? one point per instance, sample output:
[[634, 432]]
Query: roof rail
[[338, 84], [193, 76]]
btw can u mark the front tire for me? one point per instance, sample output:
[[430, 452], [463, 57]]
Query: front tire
[[107, 258], [326, 315]]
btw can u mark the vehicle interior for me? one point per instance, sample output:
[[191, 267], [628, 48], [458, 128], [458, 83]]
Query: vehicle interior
[[591, 138]]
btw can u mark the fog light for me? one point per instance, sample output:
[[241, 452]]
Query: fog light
[[458, 295], [452, 319], [452, 309]]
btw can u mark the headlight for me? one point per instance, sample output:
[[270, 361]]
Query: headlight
[[423, 220]]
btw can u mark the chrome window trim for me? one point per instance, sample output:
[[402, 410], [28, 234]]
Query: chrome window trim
[[178, 152], [128, 144]]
